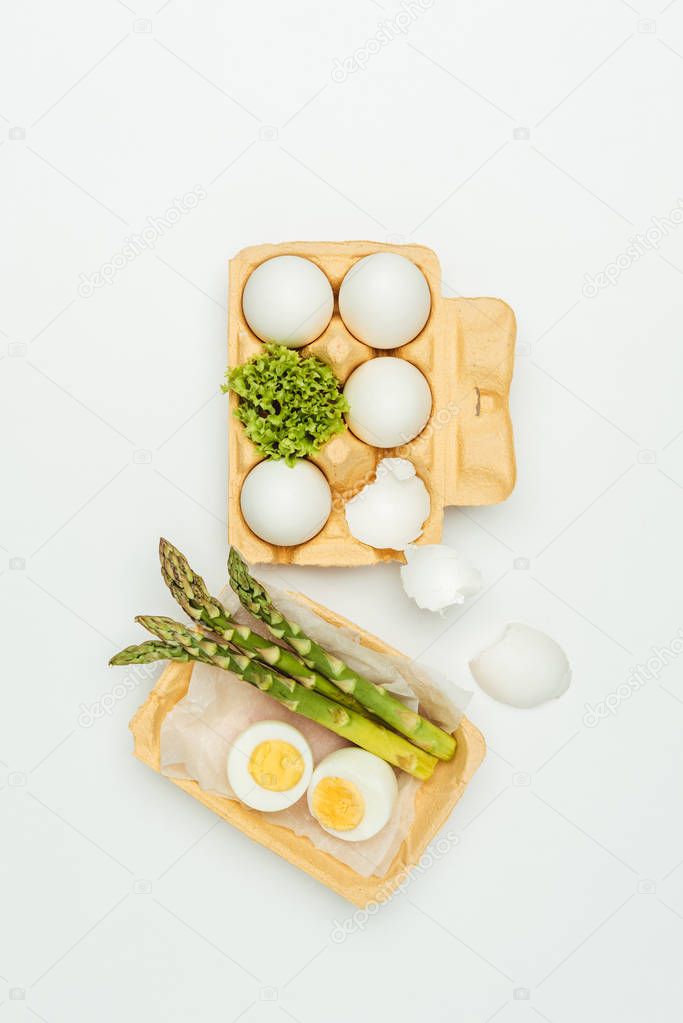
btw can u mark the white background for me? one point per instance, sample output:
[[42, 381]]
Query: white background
[[526, 143]]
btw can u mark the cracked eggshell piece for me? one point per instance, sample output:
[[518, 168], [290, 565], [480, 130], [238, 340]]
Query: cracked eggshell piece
[[390, 512], [524, 668], [436, 577]]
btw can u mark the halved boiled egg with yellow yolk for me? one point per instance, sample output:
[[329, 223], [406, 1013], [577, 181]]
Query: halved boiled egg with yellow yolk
[[352, 794], [269, 766]]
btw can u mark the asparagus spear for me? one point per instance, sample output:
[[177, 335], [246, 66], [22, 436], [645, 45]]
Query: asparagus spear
[[189, 590], [358, 729], [145, 653], [374, 698]]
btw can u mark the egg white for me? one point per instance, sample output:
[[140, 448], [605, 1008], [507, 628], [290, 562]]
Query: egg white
[[374, 779], [240, 779]]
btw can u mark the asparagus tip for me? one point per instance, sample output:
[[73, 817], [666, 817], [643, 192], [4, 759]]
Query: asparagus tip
[[240, 577], [166, 550]]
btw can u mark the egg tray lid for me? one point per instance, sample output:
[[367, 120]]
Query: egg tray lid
[[465, 454]]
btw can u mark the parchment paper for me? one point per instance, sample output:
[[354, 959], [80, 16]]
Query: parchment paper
[[196, 735]]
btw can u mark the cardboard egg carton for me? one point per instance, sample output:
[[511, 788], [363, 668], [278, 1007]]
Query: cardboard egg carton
[[434, 799], [465, 454]]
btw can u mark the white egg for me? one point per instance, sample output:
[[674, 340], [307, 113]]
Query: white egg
[[352, 794], [524, 668], [384, 300], [269, 766], [285, 505], [390, 512], [389, 401], [288, 300]]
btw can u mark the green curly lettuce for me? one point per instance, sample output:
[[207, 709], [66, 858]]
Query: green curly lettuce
[[290, 405]]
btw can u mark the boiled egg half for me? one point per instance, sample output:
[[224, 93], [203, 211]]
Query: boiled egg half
[[270, 766], [352, 794]]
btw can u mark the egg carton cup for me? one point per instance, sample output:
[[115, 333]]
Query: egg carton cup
[[434, 799], [465, 454]]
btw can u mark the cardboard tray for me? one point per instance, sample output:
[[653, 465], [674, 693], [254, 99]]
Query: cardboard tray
[[434, 801], [465, 454]]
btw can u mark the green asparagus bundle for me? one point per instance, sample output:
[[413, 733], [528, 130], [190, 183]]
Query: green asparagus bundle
[[189, 590], [352, 726], [377, 700]]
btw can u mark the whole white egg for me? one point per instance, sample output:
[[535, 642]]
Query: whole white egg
[[384, 300], [352, 794], [269, 765], [285, 505], [289, 300], [389, 401]]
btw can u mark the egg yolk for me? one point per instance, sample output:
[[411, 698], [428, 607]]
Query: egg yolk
[[276, 765], [338, 804]]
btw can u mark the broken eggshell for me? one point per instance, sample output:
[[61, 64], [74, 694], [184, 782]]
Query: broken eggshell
[[524, 668], [436, 577], [390, 512]]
